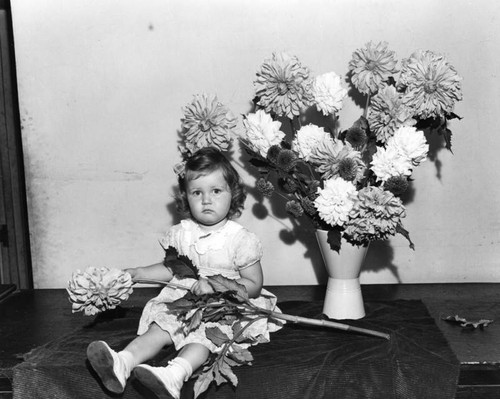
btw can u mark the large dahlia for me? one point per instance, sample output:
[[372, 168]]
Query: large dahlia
[[375, 216], [282, 85], [371, 66], [387, 113], [430, 83], [207, 123]]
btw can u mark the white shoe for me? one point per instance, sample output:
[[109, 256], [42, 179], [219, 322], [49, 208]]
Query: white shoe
[[108, 366], [161, 380]]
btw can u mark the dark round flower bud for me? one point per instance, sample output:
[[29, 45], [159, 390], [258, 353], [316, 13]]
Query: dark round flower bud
[[396, 185], [356, 136], [273, 153], [286, 160]]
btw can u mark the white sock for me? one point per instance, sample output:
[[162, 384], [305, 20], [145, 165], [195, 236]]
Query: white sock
[[183, 366], [128, 361]]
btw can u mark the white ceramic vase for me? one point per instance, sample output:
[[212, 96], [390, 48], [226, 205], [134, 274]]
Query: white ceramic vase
[[343, 298]]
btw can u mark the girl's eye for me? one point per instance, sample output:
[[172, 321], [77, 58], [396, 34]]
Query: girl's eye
[[217, 191], [195, 193]]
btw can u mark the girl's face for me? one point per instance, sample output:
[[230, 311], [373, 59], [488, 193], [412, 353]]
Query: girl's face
[[209, 198]]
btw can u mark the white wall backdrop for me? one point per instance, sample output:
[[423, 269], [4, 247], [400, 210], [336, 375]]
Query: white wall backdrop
[[102, 83]]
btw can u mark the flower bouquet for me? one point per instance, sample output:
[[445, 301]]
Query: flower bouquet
[[348, 182]]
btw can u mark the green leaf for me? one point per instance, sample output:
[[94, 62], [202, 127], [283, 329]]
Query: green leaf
[[447, 138], [223, 284], [214, 315], [227, 372], [181, 265], [203, 382], [241, 356], [216, 335], [237, 327], [401, 230], [181, 304], [334, 238], [466, 323], [193, 321], [258, 163]]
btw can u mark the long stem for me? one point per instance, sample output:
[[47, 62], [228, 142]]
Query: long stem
[[167, 283], [326, 323], [365, 113]]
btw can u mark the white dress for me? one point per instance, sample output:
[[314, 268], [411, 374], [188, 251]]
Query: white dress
[[225, 251]]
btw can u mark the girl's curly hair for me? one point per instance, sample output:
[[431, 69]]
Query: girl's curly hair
[[204, 161]]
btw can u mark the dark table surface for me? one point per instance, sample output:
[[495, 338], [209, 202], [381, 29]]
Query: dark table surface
[[30, 318]]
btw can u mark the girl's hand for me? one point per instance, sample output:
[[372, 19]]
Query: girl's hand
[[132, 272], [202, 286]]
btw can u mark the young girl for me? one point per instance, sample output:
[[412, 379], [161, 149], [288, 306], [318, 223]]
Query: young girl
[[211, 194]]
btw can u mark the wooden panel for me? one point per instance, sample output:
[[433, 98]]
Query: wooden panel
[[16, 263]]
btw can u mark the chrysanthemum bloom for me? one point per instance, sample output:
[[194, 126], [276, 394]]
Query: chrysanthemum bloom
[[431, 85], [283, 85], [410, 143], [265, 187], [371, 66], [375, 215], [387, 113], [333, 158], [328, 93], [261, 132], [207, 123], [388, 162], [96, 290], [293, 208], [335, 201], [308, 137]]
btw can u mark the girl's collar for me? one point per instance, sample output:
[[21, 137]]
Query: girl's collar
[[192, 225]]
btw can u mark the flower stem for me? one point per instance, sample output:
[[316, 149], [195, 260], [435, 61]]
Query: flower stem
[[167, 283], [326, 323], [365, 112]]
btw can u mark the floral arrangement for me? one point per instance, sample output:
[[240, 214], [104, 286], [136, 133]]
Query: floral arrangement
[[347, 182], [98, 289]]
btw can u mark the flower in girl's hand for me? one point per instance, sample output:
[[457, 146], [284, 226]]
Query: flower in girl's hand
[[98, 289]]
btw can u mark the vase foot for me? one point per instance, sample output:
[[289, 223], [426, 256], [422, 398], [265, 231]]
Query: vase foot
[[343, 299]]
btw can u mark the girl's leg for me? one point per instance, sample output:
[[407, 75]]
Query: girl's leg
[[195, 354], [166, 382], [114, 368], [148, 345]]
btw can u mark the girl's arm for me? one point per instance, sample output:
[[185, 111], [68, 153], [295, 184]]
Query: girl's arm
[[253, 279], [157, 271]]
